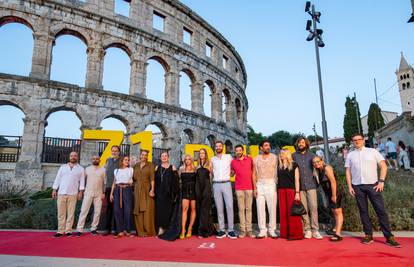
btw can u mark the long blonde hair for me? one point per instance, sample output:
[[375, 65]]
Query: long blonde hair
[[182, 168], [289, 159]]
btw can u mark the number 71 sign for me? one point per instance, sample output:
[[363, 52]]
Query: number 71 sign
[[145, 140]]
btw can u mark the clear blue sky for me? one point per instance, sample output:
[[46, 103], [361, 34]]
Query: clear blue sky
[[363, 40]]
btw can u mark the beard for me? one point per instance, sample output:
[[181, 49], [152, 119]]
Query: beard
[[95, 163], [302, 149], [73, 160]]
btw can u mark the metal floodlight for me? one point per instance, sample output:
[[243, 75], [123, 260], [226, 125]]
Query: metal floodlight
[[307, 6], [320, 42], [317, 16], [310, 37], [319, 32], [411, 19], [308, 25]]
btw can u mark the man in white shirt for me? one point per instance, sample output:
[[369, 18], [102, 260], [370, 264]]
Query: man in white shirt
[[220, 166], [391, 150], [94, 192], [68, 187], [363, 184]]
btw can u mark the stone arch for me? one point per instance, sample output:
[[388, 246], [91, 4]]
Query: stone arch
[[57, 109], [57, 67], [15, 19], [116, 51], [14, 55], [66, 31], [229, 147], [188, 134], [226, 105], [187, 82], [12, 119], [63, 108], [158, 141], [239, 112], [117, 44], [209, 90], [118, 117], [190, 74], [13, 104], [161, 60], [210, 140], [156, 84]]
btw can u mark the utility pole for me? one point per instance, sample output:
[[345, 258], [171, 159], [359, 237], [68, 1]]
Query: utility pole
[[316, 35], [376, 94]]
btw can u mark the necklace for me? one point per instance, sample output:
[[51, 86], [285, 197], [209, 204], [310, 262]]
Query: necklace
[[163, 172]]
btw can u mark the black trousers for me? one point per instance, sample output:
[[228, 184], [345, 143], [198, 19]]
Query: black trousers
[[107, 222], [362, 194]]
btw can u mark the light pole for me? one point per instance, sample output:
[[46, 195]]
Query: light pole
[[316, 35], [412, 14]]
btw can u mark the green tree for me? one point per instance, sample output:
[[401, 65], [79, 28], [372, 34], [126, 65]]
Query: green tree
[[352, 118], [312, 138], [280, 139], [375, 120], [253, 137]]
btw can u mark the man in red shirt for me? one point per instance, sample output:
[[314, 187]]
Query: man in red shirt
[[242, 167]]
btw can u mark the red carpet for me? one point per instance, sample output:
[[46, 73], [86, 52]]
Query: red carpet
[[225, 251]]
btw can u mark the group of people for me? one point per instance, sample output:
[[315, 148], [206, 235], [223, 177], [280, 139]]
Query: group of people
[[173, 203], [396, 155]]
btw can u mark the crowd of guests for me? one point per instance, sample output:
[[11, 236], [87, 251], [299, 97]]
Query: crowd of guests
[[173, 203]]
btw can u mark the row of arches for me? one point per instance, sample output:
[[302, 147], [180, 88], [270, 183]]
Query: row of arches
[[12, 125], [73, 59], [404, 76]]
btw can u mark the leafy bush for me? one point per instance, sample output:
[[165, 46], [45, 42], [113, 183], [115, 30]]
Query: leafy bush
[[36, 214], [12, 195], [398, 196]]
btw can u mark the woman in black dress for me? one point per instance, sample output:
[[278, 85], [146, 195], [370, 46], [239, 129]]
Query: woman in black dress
[[166, 192], [326, 177], [203, 195], [188, 180]]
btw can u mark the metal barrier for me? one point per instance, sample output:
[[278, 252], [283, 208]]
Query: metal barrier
[[57, 150], [10, 146]]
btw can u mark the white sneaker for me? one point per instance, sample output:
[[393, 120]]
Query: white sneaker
[[273, 235], [317, 235], [308, 234]]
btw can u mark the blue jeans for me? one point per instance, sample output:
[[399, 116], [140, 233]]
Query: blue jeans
[[364, 192], [223, 191], [123, 216]]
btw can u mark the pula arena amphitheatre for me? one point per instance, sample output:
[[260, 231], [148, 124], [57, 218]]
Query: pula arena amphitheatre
[[211, 62]]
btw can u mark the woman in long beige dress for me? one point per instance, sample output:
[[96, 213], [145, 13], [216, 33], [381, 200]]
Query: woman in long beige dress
[[144, 209]]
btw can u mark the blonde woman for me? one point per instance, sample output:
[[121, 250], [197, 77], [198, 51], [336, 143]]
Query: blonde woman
[[203, 195], [334, 191], [288, 192], [188, 175]]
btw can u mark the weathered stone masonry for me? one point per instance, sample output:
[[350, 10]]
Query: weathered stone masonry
[[96, 24]]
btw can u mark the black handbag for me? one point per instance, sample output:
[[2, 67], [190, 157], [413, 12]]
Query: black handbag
[[297, 209]]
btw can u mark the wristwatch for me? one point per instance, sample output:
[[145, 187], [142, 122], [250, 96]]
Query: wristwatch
[[381, 180]]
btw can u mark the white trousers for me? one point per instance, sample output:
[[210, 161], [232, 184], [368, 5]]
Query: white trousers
[[86, 204], [266, 196]]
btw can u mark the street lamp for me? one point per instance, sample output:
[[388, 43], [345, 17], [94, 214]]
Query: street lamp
[[316, 35], [412, 14]]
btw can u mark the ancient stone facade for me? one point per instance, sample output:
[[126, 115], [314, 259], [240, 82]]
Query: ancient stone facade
[[97, 25]]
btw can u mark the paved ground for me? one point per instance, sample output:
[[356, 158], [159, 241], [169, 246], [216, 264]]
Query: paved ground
[[31, 261]]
